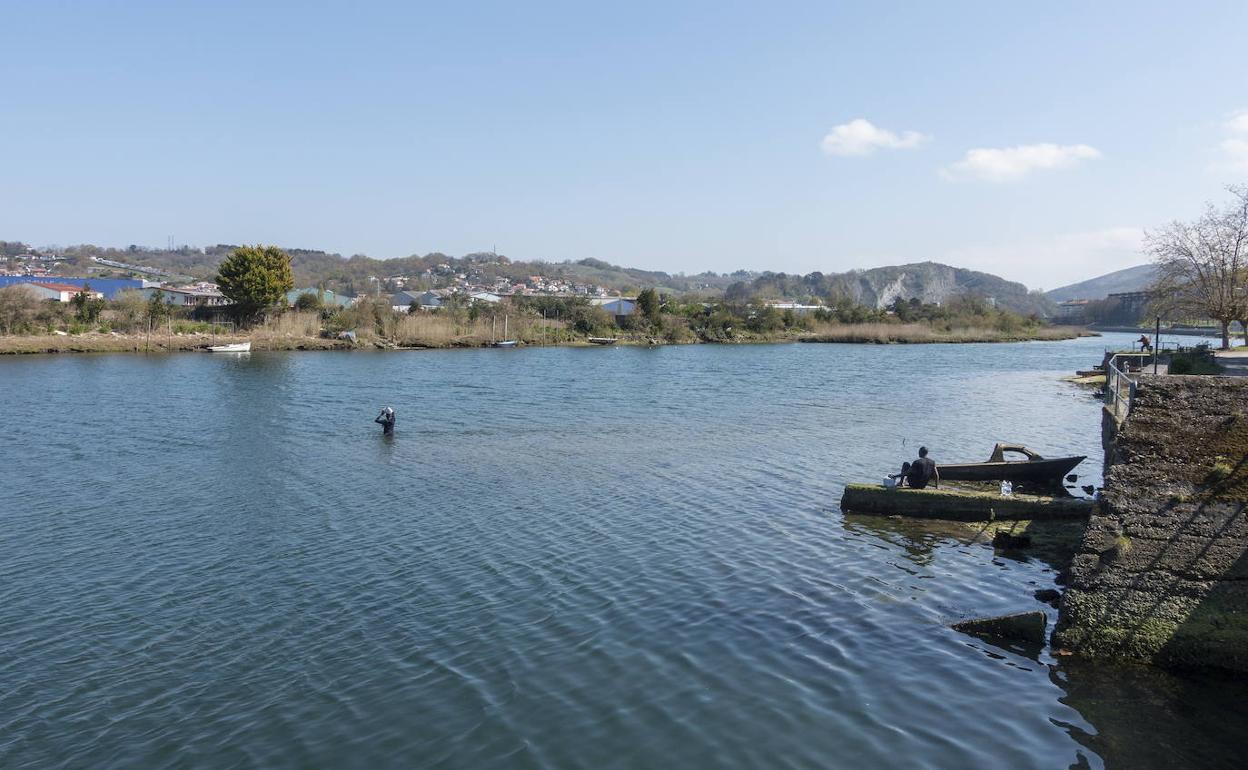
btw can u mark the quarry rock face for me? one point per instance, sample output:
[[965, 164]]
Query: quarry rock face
[[934, 283]]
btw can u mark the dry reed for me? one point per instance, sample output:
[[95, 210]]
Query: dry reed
[[293, 324], [884, 333]]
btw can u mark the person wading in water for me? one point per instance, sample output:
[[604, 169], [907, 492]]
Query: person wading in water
[[922, 471], [386, 420]]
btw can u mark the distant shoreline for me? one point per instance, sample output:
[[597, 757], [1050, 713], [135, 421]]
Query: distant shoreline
[[867, 334]]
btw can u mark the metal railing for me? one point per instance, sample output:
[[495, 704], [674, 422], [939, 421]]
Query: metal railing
[[1119, 389]]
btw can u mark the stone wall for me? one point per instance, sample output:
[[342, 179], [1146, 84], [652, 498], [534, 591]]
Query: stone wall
[[1162, 573]]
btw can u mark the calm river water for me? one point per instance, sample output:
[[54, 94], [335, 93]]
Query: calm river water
[[564, 558]]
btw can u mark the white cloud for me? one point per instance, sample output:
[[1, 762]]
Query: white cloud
[[860, 137], [1009, 164], [1235, 148]]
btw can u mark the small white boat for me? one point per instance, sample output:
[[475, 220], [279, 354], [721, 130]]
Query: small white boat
[[504, 342], [237, 347]]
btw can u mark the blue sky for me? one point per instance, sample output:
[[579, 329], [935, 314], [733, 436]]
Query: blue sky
[[1034, 141]]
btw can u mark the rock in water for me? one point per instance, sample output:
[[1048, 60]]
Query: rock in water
[[1025, 627], [1050, 596], [1007, 542]]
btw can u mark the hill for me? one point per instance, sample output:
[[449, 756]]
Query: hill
[[932, 282], [880, 287], [361, 274], [928, 282], [1135, 278]]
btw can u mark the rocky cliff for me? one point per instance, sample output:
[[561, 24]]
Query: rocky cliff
[[932, 282]]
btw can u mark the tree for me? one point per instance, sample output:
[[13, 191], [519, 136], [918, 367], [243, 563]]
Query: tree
[[86, 308], [129, 309], [648, 304], [19, 306], [157, 308], [1203, 265], [255, 278], [308, 302]]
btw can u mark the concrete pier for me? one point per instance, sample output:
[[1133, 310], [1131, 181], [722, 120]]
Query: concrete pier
[[959, 505], [1162, 573]]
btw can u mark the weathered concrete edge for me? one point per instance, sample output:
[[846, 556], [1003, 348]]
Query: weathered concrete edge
[[958, 505]]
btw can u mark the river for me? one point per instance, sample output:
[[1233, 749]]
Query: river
[[606, 557]]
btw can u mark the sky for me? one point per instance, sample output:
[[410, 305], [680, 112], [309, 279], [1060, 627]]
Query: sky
[[1035, 141]]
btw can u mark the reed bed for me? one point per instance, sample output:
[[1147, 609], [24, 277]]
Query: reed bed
[[886, 333], [293, 324], [449, 330]]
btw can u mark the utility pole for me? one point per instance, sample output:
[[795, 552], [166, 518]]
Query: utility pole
[[1156, 343]]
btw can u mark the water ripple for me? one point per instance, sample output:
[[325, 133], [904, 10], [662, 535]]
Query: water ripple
[[565, 558]]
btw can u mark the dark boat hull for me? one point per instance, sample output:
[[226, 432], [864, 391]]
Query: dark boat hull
[[1029, 470]]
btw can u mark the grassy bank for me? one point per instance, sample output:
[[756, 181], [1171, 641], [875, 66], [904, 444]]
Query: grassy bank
[[302, 331], [157, 343], [126, 325]]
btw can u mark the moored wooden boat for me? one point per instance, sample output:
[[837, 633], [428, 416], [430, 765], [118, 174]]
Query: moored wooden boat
[[603, 340], [1035, 468]]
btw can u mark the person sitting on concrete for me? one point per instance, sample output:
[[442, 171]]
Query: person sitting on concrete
[[923, 471], [386, 419], [894, 480]]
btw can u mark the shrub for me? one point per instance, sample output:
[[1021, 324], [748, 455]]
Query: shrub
[[308, 302], [1221, 470], [19, 309], [128, 310], [87, 309], [1196, 362]]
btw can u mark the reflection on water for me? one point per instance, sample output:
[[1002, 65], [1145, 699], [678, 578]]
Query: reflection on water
[[1132, 716], [607, 557], [1144, 717]]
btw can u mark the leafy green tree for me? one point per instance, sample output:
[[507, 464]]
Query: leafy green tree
[[308, 302], [764, 318], [648, 304], [255, 278], [157, 308], [86, 308]]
